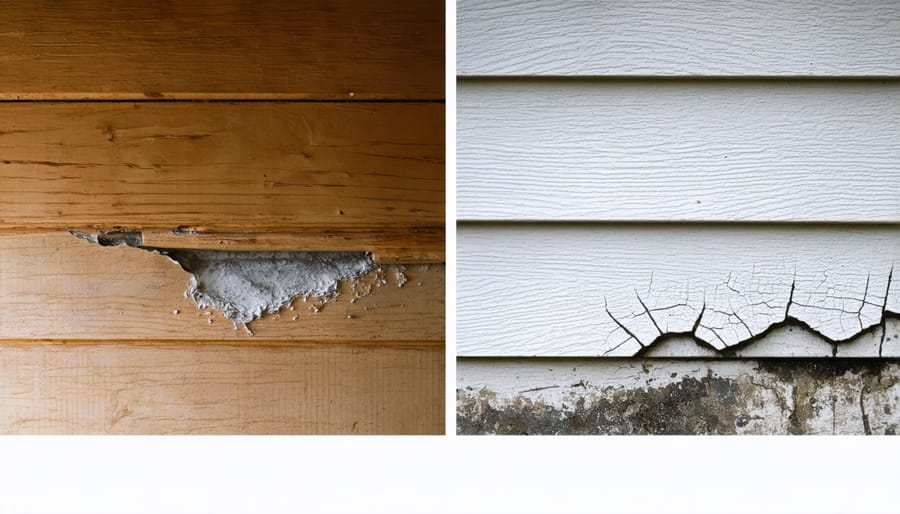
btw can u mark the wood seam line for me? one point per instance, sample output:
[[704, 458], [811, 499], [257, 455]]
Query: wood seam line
[[170, 343]]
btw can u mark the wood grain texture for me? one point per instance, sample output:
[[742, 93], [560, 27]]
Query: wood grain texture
[[389, 245], [601, 290], [679, 150], [684, 38], [220, 166], [54, 286], [232, 49], [109, 388]]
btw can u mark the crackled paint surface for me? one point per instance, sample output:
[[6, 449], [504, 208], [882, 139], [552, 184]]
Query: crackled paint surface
[[585, 290]]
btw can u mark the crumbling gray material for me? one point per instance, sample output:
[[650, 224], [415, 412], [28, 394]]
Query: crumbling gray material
[[246, 285]]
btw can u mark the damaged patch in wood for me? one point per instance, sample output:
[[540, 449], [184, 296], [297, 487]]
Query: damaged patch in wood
[[246, 285]]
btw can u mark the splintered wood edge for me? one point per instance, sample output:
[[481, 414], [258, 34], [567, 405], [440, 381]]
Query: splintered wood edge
[[391, 245], [388, 245]]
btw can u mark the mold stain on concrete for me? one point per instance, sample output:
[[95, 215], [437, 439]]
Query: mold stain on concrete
[[778, 396]]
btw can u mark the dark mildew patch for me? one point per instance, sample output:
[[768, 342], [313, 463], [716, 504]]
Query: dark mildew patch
[[639, 396]]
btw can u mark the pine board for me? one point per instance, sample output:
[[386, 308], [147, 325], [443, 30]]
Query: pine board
[[111, 388], [228, 49]]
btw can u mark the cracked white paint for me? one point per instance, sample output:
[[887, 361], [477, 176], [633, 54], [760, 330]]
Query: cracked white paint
[[547, 290]]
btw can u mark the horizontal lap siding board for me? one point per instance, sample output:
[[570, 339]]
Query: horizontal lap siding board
[[243, 166], [109, 388], [232, 49], [649, 38], [629, 150], [607, 290], [54, 286], [388, 244]]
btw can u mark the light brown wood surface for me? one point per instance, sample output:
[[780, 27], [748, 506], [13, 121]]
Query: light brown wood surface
[[221, 166], [54, 286], [403, 245], [203, 49], [110, 388], [235, 125]]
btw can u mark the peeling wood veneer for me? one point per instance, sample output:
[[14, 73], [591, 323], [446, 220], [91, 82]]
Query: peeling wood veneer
[[601, 291]]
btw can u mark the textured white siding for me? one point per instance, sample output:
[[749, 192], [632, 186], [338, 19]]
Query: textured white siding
[[679, 150], [679, 38], [609, 206]]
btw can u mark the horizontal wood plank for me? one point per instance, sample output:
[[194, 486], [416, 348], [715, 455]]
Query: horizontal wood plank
[[604, 290], [389, 245], [254, 167], [54, 286], [622, 150], [230, 49], [685, 38], [109, 388]]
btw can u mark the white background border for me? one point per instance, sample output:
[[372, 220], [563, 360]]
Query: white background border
[[449, 474]]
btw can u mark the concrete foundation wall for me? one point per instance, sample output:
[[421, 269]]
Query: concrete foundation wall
[[670, 396]]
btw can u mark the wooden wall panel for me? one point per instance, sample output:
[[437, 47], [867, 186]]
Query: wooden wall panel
[[54, 286], [232, 49], [750, 38], [762, 151], [388, 243], [238, 125], [219, 166], [110, 388]]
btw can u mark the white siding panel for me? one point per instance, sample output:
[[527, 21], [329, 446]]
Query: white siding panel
[[679, 38], [622, 150], [601, 290]]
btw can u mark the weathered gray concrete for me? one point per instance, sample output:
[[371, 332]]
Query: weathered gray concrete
[[670, 396]]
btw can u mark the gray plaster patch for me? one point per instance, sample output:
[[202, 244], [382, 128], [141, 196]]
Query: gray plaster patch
[[246, 285]]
